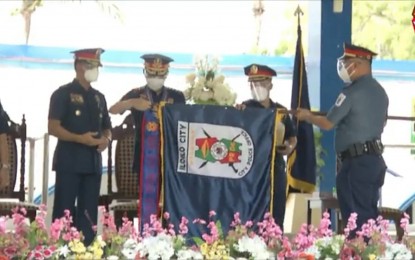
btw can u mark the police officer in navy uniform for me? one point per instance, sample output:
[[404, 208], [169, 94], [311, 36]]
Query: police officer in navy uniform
[[359, 116], [79, 118], [4, 150], [138, 100], [260, 82]]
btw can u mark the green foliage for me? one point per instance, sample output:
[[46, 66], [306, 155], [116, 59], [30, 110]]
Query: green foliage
[[384, 27]]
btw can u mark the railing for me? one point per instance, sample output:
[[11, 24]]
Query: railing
[[45, 175]]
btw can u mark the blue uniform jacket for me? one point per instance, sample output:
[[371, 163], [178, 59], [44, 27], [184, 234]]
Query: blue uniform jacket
[[79, 111]]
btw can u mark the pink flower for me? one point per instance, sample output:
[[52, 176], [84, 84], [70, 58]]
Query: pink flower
[[183, 226], [23, 211], [208, 239], [47, 252], [249, 224], [153, 218], [166, 215], [351, 224], [212, 213], [236, 220], [200, 221], [405, 223], [3, 221]]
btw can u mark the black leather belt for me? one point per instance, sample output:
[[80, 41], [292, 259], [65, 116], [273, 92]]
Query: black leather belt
[[370, 147]]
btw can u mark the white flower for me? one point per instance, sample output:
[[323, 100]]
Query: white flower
[[187, 93], [208, 86], [130, 248], [396, 251], [64, 251], [206, 95], [219, 80], [255, 246], [114, 257], [185, 254], [155, 247]]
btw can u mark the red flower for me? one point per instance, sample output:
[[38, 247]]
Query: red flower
[[3, 257], [10, 251], [306, 256]]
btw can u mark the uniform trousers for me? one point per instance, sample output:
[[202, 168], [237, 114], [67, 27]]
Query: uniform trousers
[[280, 193], [358, 185], [85, 189]]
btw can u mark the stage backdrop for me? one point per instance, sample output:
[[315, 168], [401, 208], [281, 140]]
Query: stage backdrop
[[217, 158]]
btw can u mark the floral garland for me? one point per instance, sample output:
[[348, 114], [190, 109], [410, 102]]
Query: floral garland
[[61, 241], [207, 86]]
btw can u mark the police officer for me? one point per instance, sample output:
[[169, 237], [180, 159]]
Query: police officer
[[359, 116], [138, 100], [79, 118], [4, 150], [260, 82]]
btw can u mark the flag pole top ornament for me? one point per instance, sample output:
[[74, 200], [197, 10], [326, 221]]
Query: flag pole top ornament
[[298, 12]]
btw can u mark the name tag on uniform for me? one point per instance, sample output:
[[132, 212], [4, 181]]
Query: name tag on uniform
[[77, 98], [340, 99]]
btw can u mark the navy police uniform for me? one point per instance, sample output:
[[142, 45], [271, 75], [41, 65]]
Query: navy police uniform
[[359, 114], [79, 167], [155, 65], [256, 72]]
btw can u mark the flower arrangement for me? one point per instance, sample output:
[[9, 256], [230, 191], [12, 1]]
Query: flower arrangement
[[207, 86], [263, 240]]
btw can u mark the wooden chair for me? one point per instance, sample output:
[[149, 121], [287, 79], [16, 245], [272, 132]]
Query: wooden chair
[[124, 201], [16, 132]]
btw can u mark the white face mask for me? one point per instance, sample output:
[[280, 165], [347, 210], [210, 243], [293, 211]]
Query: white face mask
[[155, 83], [91, 75], [259, 93], [343, 73]]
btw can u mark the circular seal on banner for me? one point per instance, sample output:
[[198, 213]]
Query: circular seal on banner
[[219, 150]]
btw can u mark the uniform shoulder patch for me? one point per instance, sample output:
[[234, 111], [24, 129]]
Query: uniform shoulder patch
[[340, 99]]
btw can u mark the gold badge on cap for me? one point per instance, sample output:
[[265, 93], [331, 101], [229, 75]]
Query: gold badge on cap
[[157, 63], [78, 112], [254, 69]]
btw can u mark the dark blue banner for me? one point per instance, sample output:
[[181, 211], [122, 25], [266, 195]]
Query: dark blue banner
[[216, 158], [301, 166]]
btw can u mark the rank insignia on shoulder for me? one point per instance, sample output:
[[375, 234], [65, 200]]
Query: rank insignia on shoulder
[[77, 98], [340, 99]]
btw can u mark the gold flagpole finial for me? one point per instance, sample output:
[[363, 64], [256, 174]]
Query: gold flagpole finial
[[298, 12]]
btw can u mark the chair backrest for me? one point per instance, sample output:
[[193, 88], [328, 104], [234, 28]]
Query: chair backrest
[[16, 132], [126, 179]]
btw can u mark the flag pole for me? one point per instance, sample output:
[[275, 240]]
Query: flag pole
[[319, 113], [298, 12]]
